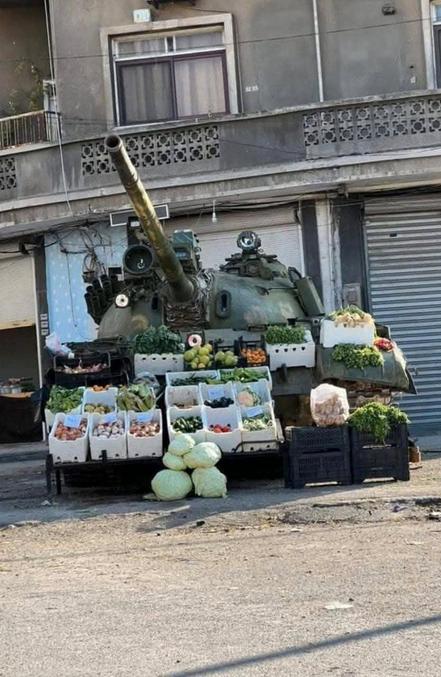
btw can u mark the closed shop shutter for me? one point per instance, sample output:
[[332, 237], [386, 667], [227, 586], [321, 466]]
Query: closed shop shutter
[[404, 263], [17, 306], [279, 232]]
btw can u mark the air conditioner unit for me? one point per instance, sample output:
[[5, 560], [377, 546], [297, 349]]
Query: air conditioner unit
[[125, 216]]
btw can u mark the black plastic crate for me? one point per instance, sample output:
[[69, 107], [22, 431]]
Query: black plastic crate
[[69, 380], [317, 456], [371, 460], [244, 345]]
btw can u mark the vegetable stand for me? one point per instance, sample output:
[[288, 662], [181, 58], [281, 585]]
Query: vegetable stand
[[232, 405]]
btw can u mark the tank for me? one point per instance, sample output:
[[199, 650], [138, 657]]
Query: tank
[[165, 283]]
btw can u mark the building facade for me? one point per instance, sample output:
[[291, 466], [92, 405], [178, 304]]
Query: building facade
[[315, 122]]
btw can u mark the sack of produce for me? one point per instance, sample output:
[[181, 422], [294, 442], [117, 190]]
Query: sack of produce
[[203, 455], [173, 462], [171, 485], [181, 445], [209, 483], [329, 405]]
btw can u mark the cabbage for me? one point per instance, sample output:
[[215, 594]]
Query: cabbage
[[209, 483], [171, 485], [173, 462], [203, 455], [181, 445]]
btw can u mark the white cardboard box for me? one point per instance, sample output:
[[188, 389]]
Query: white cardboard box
[[68, 451], [180, 396], [214, 392], [174, 413], [332, 335], [49, 417], [263, 372], [116, 448], [259, 440], [104, 397], [227, 442], [172, 377], [145, 447], [292, 354], [158, 364], [261, 388]]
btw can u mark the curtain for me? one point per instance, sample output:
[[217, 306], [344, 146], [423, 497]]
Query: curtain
[[147, 92], [200, 86]]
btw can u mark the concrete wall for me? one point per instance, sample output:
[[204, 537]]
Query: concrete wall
[[275, 53], [22, 43], [363, 51], [366, 52]]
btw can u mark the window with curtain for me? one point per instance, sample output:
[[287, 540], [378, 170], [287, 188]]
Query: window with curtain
[[169, 77]]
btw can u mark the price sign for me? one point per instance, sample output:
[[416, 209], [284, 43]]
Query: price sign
[[110, 418], [254, 411], [72, 420], [145, 416], [215, 392]]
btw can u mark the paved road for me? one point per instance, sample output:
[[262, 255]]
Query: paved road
[[115, 596]]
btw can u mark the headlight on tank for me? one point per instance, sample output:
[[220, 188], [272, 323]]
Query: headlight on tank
[[122, 301]]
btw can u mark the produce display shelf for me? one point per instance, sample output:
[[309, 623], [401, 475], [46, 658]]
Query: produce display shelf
[[55, 469], [241, 450]]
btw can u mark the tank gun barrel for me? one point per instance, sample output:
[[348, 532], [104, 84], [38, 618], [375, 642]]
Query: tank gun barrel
[[181, 287]]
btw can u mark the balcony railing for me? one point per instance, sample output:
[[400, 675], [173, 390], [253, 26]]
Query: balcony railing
[[230, 144], [372, 126], [36, 127]]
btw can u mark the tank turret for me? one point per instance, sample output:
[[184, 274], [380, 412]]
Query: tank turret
[[164, 281]]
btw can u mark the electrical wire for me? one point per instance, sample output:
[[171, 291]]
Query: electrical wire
[[309, 34], [57, 113]]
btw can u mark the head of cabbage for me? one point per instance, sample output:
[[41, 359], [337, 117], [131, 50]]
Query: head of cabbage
[[171, 485], [203, 455], [181, 445], [209, 483], [173, 462]]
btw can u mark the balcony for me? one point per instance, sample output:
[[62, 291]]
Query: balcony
[[301, 150], [28, 128]]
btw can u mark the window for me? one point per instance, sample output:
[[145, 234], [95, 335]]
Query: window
[[170, 76]]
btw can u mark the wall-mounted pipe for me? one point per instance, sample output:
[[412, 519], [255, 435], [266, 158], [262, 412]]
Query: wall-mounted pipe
[[318, 50]]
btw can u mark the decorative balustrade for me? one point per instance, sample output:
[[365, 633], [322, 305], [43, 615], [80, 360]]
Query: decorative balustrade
[[371, 126], [187, 145]]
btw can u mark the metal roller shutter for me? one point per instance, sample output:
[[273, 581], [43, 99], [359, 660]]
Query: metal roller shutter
[[17, 307], [404, 263], [280, 233]]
